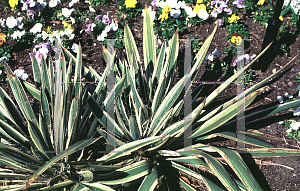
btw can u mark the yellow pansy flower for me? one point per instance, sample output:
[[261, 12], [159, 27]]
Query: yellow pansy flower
[[13, 3], [281, 18], [199, 1], [237, 40], [166, 9], [261, 2], [233, 18], [130, 3], [47, 30], [198, 7], [163, 16]]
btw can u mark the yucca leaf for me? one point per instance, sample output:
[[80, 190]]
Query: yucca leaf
[[33, 186], [21, 97], [222, 117], [271, 152], [58, 185], [130, 45], [148, 38], [161, 124], [45, 79], [17, 155], [46, 119], [168, 102], [237, 164], [125, 174], [150, 181], [95, 168], [14, 164], [38, 140], [159, 94], [198, 60], [117, 141], [210, 185], [72, 149], [98, 187], [16, 135], [134, 130], [36, 70], [232, 136], [102, 116], [159, 63], [73, 116], [36, 94], [129, 148], [191, 161], [123, 126], [217, 169]]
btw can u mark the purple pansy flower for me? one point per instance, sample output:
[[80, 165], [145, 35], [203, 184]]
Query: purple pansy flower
[[153, 3], [239, 3], [105, 19], [221, 22], [98, 18], [214, 14]]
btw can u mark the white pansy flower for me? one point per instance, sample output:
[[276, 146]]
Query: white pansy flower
[[71, 36], [190, 12], [21, 74], [182, 4], [68, 31], [44, 51], [73, 20], [288, 96], [114, 26], [52, 3], [36, 28], [297, 112], [202, 14], [44, 35], [161, 4], [21, 26], [175, 13], [100, 38], [104, 34], [42, 2], [16, 34], [280, 99], [107, 28], [92, 10], [295, 125], [73, 2], [289, 130], [75, 48], [11, 22], [67, 12], [2, 22]]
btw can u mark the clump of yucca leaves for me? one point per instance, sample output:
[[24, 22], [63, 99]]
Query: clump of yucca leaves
[[58, 148]]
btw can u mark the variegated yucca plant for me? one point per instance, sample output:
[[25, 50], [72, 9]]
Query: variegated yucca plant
[[58, 149]]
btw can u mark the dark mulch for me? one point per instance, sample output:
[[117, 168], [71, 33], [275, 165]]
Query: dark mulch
[[277, 177]]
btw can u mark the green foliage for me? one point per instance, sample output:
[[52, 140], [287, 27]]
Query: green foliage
[[262, 15]]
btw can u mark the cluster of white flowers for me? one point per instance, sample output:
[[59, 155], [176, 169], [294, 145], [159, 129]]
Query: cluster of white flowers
[[67, 12], [36, 28], [295, 4], [11, 22], [17, 34], [73, 2], [53, 3], [177, 5], [112, 26], [294, 126], [21, 74]]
